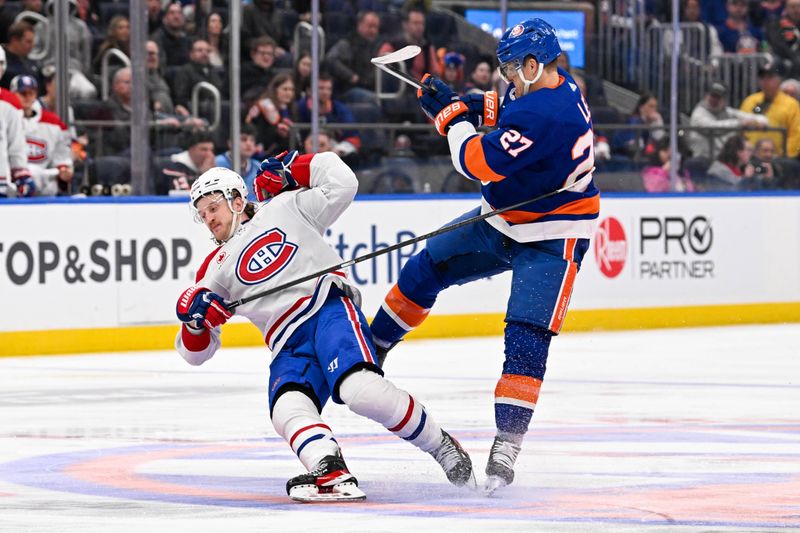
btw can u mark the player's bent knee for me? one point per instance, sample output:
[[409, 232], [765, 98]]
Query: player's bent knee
[[294, 388], [291, 405], [368, 394]]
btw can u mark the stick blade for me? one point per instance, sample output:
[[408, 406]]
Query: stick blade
[[403, 54]]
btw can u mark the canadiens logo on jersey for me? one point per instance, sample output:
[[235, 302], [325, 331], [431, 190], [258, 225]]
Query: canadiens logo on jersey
[[37, 150], [264, 256]]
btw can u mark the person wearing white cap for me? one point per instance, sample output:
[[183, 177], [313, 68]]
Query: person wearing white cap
[[713, 112], [47, 138]]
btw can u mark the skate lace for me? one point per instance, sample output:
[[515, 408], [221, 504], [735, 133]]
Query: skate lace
[[504, 452], [448, 454]]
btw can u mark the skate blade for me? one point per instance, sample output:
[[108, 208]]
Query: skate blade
[[492, 484], [343, 492], [471, 483]]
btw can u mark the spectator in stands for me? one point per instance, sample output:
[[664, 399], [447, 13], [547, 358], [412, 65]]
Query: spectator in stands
[[48, 141], [157, 88], [347, 142], [118, 140], [452, 69], [348, 60], [767, 174], [154, 15], [301, 74], [20, 43], [161, 103], [713, 112], [195, 71], [781, 110], [214, 35], [691, 12], [171, 36], [262, 18], [414, 33], [274, 114], [480, 79], [731, 167], [184, 167], [117, 37], [324, 141], [257, 73], [249, 166], [656, 173], [738, 35], [89, 17], [635, 143], [784, 36], [762, 12], [80, 51]]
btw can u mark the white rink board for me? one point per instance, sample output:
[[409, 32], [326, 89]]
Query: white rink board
[[70, 265]]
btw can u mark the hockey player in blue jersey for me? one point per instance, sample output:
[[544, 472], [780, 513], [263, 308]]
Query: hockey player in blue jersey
[[543, 142]]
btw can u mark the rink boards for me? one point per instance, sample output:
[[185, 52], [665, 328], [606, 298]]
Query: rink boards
[[89, 275]]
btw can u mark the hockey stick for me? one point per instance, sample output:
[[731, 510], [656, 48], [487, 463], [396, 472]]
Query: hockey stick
[[376, 253], [386, 64]]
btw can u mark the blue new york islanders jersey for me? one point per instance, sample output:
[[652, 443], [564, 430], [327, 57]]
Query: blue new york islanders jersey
[[543, 142]]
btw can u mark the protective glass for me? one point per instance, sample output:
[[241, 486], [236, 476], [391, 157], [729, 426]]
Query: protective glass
[[200, 215]]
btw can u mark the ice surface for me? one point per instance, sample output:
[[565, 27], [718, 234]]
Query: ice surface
[[665, 430]]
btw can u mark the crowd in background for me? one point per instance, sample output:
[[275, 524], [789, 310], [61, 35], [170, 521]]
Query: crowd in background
[[188, 44]]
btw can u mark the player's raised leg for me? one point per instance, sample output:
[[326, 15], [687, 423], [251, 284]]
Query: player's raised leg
[[463, 255]]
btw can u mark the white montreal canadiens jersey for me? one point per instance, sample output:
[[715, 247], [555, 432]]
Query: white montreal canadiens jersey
[[281, 243], [48, 147], [12, 137]]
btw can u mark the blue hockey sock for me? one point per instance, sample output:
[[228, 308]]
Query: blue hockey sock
[[517, 390]]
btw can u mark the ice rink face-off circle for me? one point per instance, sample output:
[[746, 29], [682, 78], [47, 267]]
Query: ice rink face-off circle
[[243, 475]]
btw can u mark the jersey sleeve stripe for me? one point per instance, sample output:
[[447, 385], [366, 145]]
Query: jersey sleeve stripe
[[584, 206], [475, 163]]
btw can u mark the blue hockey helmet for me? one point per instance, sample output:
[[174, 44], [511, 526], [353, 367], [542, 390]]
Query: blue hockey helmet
[[533, 37]]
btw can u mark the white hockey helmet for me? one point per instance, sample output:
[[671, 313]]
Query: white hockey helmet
[[219, 179], [2, 61]]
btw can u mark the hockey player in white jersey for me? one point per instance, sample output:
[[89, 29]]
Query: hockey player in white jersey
[[47, 138], [319, 338], [14, 174]]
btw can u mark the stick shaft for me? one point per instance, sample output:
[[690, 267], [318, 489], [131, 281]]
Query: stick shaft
[[397, 73], [376, 253]]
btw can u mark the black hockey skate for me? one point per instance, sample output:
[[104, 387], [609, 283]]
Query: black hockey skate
[[455, 462], [500, 468], [330, 481], [382, 351]]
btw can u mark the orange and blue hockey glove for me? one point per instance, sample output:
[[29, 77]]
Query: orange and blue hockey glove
[[441, 104], [483, 108]]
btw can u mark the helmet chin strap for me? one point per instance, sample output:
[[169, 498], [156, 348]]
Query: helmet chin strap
[[234, 223], [528, 82]]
